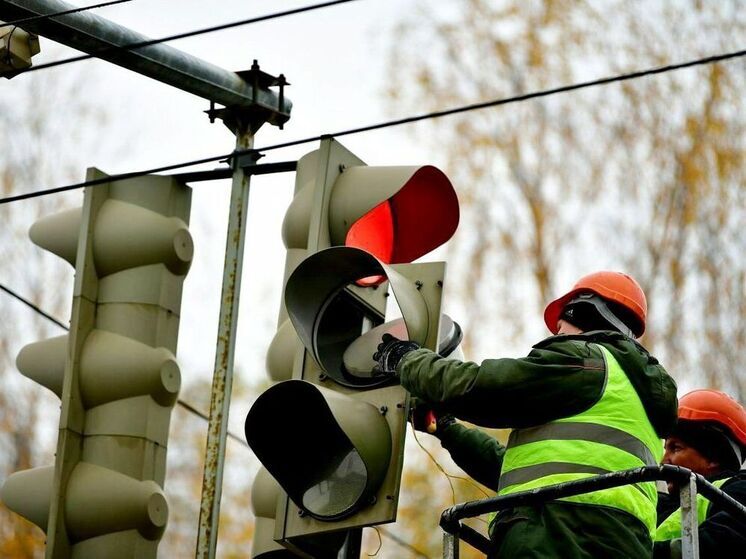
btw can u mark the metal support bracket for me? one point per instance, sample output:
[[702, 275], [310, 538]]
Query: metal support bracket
[[257, 113]]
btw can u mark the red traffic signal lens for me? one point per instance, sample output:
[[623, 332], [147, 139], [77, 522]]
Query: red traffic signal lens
[[422, 215]]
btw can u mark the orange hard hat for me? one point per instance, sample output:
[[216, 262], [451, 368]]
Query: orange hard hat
[[715, 407], [614, 287]]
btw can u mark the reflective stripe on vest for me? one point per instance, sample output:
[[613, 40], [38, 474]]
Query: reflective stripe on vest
[[670, 528], [614, 434]]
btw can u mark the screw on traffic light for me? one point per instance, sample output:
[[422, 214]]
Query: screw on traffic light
[[115, 372], [331, 432]]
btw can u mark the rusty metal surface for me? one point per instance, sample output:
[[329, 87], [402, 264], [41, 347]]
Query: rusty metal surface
[[450, 546], [689, 521], [222, 382]]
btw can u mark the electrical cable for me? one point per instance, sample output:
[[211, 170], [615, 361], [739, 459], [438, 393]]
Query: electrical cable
[[442, 469], [184, 35], [391, 123], [437, 464], [187, 406], [396, 539], [104, 180], [380, 543], [33, 307], [449, 477], [66, 12]]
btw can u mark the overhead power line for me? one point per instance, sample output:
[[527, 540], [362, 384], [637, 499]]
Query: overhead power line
[[36, 309], [66, 12], [184, 35], [110, 178], [391, 123], [186, 405]]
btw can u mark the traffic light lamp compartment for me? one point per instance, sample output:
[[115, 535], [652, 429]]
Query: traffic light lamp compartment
[[329, 477]]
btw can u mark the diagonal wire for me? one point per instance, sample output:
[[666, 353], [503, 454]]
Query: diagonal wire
[[110, 178], [397, 122], [187, 406], [33, 307], [64, 13], [150, 42]]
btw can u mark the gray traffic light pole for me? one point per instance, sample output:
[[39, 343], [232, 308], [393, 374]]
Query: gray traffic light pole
[[249, 102]]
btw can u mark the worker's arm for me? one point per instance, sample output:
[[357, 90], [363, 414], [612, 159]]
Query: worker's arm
[[474, 451], [559, 378]]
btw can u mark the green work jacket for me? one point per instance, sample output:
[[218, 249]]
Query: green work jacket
[[562, 378]]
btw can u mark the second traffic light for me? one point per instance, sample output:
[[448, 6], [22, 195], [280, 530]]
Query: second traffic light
[[332, 434], [334, 439], [115, 373]]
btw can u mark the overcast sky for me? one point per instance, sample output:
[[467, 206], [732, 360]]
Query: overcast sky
[[336, 60]]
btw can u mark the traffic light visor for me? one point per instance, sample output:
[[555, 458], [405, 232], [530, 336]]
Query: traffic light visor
[[328, 317], [328, 451], [419, 213]]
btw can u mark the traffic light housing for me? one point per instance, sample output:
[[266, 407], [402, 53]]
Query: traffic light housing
[[17, 47], [265, 492], [116, 372], [342, 426], [331, 432]]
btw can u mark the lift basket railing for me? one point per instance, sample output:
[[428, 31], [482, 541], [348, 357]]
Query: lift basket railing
[[691, 483]]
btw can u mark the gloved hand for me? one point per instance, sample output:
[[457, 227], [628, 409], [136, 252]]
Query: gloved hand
[[424, 419], [428, 421], [390, 352]]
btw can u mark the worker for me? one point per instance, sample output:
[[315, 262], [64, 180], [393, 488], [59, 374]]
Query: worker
[[709, 439], [585, 401]]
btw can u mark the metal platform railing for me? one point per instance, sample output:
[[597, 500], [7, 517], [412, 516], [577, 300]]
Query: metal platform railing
[[691, 483]]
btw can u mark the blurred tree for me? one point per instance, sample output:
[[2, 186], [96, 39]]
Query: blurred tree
[[645, 176]]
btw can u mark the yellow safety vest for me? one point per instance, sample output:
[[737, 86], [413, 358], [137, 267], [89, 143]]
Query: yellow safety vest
[[670, 528], [614, 434]]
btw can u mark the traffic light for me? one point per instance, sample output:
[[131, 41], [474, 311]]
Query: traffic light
[[116, 372], [17, 47], [330, 431], [265, 492]]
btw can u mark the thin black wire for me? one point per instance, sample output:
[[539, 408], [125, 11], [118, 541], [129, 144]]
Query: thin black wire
[[150, 42], [9, 51], [110, 178], [187, 406], [391, 123], [34, 307], [66, 12]]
